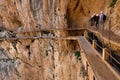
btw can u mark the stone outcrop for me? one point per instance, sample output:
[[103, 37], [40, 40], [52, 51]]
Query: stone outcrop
[[115, 18], [56, 14], [45, 59], [38, 59]]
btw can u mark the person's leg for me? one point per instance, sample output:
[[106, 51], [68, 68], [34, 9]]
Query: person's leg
[[91, 23], [97, 24], [100, 24]]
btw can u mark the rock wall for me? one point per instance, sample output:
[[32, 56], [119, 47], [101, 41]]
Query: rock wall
[[37, 59], [115, 18], [46, 59], [32, 14], [80, 11]]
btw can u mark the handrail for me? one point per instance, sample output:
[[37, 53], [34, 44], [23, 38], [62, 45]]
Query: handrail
[[113, 58], [107, 52]]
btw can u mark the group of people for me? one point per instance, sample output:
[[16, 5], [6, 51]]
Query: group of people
[[97, 19]]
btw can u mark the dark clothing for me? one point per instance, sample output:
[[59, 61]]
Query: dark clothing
[[104, 17], [92, 21], [96, 21], [94, 17]]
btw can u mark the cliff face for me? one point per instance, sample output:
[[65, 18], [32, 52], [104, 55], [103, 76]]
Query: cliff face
[[80, 11], [37, 59], [32, 14], [115, 18], [45, 59]]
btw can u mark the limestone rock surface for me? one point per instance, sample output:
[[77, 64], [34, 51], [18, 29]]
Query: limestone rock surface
[[46, 59]]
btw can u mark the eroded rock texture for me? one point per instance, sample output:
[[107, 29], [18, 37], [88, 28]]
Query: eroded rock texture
[[32, 14], [39, 59], [115, 18], [46, 59]]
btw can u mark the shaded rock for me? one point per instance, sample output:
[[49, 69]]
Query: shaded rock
[[7, 34], [8, 71]]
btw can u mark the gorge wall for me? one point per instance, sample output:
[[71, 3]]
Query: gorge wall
[[56, 13], [45, 59], [39, 59], [32, 13]]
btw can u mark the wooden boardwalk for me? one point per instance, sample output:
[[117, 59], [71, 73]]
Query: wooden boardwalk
[[100, 69]]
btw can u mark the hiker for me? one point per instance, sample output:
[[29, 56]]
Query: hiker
[[94, 16], [96, 20], [92, 20], [102, 18]]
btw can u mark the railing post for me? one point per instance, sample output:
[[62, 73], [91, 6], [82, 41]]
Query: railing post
[[105, 55], [86, 34], [94, 44]]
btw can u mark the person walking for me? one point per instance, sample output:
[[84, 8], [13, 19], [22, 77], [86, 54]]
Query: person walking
[[97, 20], [102, 18], [92, 20], [94, 16]]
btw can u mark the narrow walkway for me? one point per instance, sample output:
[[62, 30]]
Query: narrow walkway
[[100, 69], [67, 29], [108, 35], [105, 33]]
